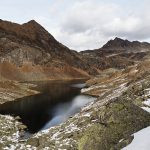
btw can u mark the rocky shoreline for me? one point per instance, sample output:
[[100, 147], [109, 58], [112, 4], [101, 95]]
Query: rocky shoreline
[[12, 90]]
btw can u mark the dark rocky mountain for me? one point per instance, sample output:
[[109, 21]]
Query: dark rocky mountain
[[119, 53], [120, 44], [34, 54]]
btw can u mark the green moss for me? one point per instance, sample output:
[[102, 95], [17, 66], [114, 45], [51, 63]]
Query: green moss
[[138, 101], [33, 142], [122, 118], [117, 107], [91, 139]]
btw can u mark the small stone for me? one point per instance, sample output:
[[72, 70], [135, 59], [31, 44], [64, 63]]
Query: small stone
[[33, 142], [17, 118], [22, 127]]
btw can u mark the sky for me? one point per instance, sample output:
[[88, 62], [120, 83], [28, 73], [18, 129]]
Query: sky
[[83, 24]]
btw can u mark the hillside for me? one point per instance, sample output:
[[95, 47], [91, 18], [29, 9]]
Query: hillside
[[34, 54], [112, 121]]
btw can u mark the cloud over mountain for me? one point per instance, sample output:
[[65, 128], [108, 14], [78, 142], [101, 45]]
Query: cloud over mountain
[[85, 24]]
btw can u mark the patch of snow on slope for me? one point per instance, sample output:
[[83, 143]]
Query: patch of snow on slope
[[140, 141], [148, 105], [147, 102], [147, 92], [141, 138], [146, 109]]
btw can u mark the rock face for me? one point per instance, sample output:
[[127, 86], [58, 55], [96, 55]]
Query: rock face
[[34, 54]]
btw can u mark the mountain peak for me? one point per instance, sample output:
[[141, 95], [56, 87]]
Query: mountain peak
[[121, 44], [116, 43], [31, 31], [118, 39], [32, 23]]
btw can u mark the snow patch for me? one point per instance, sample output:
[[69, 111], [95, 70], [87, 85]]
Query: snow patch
[[147, 102], [140, 141], [146, 109]]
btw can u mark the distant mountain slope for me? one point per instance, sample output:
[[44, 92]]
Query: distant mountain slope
[[32, 36], [34, 54], [120, 44], [119, 53], [29, 52]]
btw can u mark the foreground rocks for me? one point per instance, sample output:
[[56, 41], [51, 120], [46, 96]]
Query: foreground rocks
[[107, 123], [10, 132]]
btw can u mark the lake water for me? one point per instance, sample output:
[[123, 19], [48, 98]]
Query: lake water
[[56, 102]]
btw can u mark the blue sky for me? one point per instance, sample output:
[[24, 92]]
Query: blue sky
[[83, 24]]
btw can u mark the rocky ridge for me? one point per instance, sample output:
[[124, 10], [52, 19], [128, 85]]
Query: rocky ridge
[[118, 53], [34, 54], [125, 45]]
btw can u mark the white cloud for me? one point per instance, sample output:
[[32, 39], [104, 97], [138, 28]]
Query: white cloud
[[89, 24], [84, 24], [86, 15]]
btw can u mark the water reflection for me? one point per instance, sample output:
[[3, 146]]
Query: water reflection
[[64, 110], [56, 103]]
